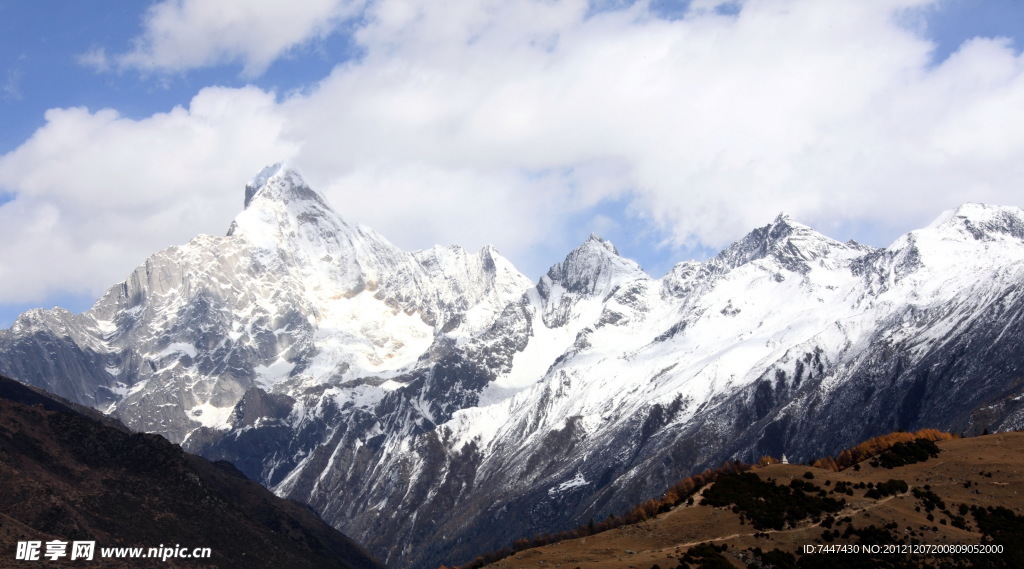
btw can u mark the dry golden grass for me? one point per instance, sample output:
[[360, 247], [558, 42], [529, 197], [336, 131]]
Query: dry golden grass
[[955, 475]]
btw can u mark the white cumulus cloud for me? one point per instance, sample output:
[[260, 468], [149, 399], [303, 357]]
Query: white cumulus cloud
[[184, 34], [506, 122], [96, 193]]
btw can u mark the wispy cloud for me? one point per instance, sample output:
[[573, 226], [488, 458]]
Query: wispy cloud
[[12, 86], [96, 59], [180, 35]]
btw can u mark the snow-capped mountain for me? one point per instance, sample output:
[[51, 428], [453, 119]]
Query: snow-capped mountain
[[436, 404]]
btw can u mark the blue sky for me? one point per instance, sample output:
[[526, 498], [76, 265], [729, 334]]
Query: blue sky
[[670, 128]]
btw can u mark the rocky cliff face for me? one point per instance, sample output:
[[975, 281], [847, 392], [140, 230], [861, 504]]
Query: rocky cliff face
[[437, 403]]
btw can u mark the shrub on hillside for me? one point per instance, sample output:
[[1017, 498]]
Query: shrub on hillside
[[901, 454], [766, 504]]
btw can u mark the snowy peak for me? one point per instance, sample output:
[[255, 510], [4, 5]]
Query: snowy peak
[[464, 271], [260, 180], [283, 185], [583, 281], [282, 210], [594, 267], [291, 226], [969, 239], [597, 241], [981, 221], [792, 244]]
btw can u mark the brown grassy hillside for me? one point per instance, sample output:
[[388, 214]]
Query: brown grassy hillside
[[971, 492]]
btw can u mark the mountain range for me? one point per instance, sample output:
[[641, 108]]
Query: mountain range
[[436, 404]]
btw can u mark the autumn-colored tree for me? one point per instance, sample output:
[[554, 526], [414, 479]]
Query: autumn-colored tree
[[877, 445], [827, 463]]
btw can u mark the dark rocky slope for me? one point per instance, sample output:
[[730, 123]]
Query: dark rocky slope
[[66, 476]]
